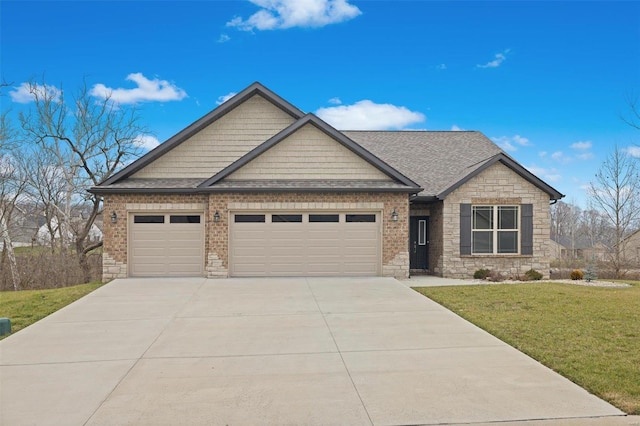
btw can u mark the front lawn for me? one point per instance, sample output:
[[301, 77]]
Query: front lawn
[[24, 308], [590, 335]]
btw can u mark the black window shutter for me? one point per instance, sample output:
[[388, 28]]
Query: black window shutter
[[526, 239], [465, 229]]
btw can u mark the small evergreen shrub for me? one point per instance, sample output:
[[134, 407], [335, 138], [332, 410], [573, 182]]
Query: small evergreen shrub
[[533, 275], [481, 274], [590, 274], [576, 274]]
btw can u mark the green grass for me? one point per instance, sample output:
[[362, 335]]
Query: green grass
[[590, 335], [24, 308]]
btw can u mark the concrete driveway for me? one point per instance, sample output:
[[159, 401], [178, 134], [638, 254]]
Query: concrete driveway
[[273, 351]]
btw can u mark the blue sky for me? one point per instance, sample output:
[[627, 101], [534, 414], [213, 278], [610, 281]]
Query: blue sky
[[547, 81]]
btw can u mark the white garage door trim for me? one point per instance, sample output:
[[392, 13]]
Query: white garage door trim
[[166, 243], [304, 243]]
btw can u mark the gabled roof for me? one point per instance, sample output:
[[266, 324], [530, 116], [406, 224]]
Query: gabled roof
[[254, 89], [328, 130], [431, 164], [441, 161]]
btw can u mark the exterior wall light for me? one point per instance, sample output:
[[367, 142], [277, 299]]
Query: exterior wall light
[[394, 215], [114, 217], [216, 217]]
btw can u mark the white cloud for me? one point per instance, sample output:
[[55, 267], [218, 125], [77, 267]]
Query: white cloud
[[455, 128], [581, 146], [550, 175], [335, 101], [441, 67], [560, 157], [147, 90], [367, 115], [146, 141], [223, 38], [634, 151], [543, 154], [499, 58], [225, 98], [585, 156], [27, 92], [283, 14], [511, 143]]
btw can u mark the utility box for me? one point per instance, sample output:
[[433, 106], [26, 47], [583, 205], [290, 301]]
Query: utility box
[[5, 326]]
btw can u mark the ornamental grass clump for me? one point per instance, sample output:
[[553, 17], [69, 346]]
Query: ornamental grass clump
[[576, 275]]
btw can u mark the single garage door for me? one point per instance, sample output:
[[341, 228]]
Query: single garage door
[[305, 244], [166, 244]]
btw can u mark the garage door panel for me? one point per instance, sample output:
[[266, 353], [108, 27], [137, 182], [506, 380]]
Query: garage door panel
[[305, 248], [148, 252], [187, 254]]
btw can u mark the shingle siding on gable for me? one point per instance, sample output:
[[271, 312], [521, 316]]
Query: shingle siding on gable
[[221, 143], [496, 182], [308, 154]]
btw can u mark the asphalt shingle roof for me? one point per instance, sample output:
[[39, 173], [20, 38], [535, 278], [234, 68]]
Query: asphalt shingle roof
[[435, 160]]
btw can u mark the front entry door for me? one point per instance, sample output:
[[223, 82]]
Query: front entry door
[[419, 242]]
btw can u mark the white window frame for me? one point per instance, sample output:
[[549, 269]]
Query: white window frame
[[495, 231]]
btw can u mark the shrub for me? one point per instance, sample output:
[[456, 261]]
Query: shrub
[[481, 274], [495, 277], [590, 274], [577, 274], [533, 275]]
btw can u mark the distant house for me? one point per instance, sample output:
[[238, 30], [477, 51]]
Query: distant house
[[43, 234], [579, 248], [556, 250], [23, 227], [631, 248]]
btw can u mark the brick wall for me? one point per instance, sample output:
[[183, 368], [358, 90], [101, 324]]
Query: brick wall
[[496, 185], [395, 260]]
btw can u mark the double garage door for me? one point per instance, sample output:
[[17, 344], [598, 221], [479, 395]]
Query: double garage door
[[304, 244], [260, 244]]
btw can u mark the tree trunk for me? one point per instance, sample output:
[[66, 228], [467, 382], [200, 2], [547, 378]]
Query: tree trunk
[[11, 255]]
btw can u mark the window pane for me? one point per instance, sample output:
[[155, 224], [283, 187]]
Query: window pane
[[184, 219], [279, 218], [507, 242], [482, 242], [361, 218], [148, 219], [324, 218], [507, 217], [482, 217], [422, 232], [249, 218]]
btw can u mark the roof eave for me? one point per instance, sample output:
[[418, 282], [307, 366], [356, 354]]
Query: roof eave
[[214, 189]]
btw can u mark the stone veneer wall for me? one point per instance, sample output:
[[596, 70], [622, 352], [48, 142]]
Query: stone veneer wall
[[496, 185], [395, 256], [436, 238]]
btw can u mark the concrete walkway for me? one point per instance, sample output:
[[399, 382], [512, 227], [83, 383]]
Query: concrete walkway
[[274, 351]]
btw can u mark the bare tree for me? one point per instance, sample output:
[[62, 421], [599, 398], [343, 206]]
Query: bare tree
[[89, 139], [616, 192], [10, 189], [632, 118]]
